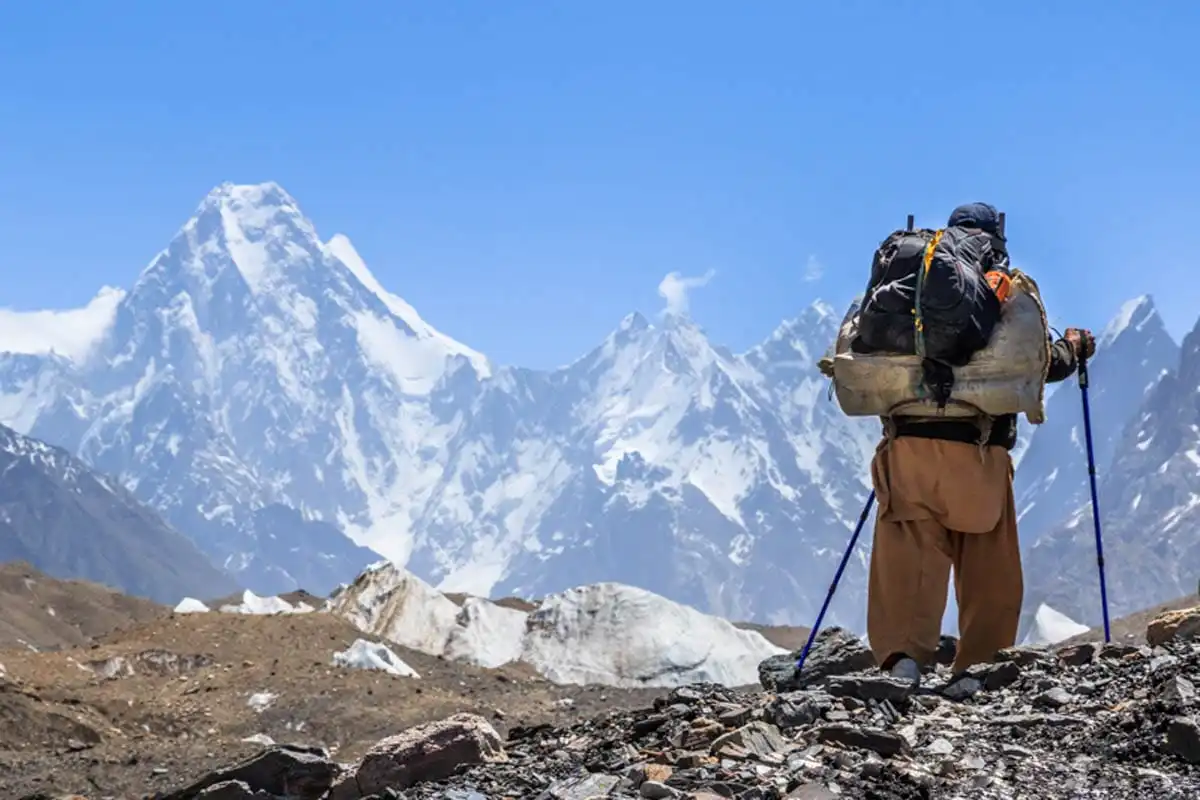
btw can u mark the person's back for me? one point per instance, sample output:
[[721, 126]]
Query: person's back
[[945, 500]]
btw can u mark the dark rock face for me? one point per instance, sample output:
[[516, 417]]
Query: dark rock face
[[1033, 725]]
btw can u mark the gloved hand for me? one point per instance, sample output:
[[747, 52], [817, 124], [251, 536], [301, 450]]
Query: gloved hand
[[1082, 340]]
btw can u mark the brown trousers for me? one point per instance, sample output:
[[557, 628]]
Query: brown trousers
[[941, 505]]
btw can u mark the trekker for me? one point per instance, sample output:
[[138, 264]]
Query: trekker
[[946, 500]]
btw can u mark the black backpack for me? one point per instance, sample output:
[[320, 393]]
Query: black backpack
[[929, 295]]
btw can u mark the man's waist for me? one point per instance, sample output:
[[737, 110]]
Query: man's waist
[[954, 430]]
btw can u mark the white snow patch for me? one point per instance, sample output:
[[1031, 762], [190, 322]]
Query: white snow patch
[[190, 605], [1176, 515], [372, 655], [261, 701], [69, 333], [1052, 627], [414, 365]]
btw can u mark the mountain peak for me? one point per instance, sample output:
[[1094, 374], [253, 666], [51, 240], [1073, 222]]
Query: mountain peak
[[1134, 314], [258, 229], [248, 195], [810, 318], [634, 323]]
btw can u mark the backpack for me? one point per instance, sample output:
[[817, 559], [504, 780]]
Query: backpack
[[937, 294]]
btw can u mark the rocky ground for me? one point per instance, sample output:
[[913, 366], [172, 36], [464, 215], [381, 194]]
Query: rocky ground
[[159, 704], [1085, 721], [1132, 629], [127, 699]]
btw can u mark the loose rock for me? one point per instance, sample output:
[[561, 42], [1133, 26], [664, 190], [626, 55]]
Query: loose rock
[[835, 651]]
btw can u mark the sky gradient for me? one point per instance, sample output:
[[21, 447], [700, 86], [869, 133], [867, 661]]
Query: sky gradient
[[525, 174]]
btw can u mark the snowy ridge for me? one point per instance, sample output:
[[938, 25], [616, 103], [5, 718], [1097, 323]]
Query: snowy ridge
[[343, 250], [606, 633], [1134, 314]]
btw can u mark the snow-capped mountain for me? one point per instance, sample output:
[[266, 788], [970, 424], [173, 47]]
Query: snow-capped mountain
[[726, 480], [1132, 355], [260, 388], [64, 518], [1149, 498]]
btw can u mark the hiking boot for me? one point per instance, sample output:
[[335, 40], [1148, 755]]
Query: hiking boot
[[907, 670]]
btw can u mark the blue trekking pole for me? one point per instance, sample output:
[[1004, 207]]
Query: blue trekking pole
[[812, 634], [1087, 435]]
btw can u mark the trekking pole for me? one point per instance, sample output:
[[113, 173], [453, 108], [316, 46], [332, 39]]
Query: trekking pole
[[1091, 458], [812, 634]]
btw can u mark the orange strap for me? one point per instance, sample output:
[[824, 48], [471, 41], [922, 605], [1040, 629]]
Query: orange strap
[[1001, 284]]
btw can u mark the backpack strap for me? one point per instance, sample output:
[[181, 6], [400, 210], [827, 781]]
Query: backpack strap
[[938, 377]]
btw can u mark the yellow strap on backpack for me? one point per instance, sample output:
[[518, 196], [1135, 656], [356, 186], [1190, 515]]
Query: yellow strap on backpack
[[918, 322], [929, 248]]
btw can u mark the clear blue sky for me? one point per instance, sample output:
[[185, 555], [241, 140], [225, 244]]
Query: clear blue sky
[[526, 173]]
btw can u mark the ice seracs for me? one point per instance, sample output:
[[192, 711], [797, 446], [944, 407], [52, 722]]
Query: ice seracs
[[624, 636], [253, 604], [605, 633]]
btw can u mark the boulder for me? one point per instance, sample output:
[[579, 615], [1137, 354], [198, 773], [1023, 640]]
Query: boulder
[[429, 752], [304, 773], [835, 651], [1181, 624]]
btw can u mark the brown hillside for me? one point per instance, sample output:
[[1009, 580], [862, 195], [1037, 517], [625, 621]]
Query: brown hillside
[[46, 613]]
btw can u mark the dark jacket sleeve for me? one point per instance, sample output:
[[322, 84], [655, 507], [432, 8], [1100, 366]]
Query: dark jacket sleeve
[[1062, 361]]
